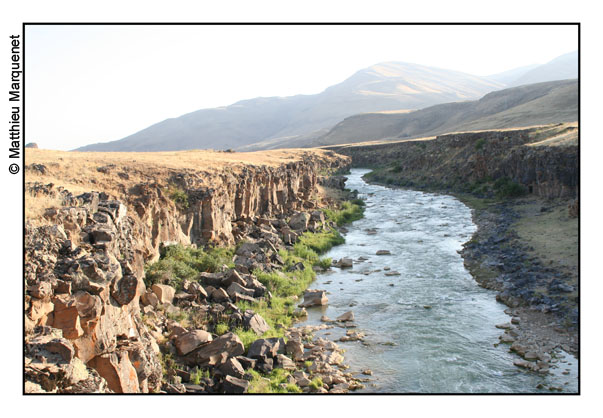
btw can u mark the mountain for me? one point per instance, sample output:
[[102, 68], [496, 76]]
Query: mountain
[[508, 77], [534, 104], [561, 68], [381, 87], [564, 67]]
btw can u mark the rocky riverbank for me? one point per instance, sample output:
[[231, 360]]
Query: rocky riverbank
[[541, 296], [128, 290]]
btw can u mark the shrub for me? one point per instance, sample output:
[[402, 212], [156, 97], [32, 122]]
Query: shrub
[[179, 196], [168, 364], [324, 263], [316, 383], [505, 187], [479, 144], [397, 168]]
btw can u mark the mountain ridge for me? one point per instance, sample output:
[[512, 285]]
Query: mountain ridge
[[383, 86], [299, 120], [533, 104]]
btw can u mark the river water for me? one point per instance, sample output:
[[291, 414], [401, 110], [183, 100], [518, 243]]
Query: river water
[[430, 329]]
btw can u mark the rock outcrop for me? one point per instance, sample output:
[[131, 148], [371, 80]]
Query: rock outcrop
[[535, 158], [90, 292], [84, 270]]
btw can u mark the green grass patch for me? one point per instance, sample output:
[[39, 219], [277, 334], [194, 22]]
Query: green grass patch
[[277, 312], [286, 285], [178, 263], [290, 283], [316, 383], [350, 211], [198, 374], [474, 202], [318, 242], [275, 382], [247, 336], [221, 328]]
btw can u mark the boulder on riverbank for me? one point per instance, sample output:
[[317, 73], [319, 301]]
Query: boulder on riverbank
[[314, 297]]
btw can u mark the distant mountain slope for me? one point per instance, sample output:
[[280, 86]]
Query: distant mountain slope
[[535, 104], [385, 86], [563, 67], [509, 77]]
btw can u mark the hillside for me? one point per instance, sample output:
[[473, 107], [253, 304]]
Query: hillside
[[381, 87], [561, 68], [534, 104]]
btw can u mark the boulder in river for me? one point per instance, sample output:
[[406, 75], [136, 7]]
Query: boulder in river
[[345, 262], [383, 252], [348, 316]]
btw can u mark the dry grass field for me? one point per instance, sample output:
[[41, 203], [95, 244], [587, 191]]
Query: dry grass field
[[115, 172], [557, 134], [552, 233]]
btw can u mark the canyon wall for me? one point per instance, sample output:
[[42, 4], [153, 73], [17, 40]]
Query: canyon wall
[[544, 160], [84, 263]]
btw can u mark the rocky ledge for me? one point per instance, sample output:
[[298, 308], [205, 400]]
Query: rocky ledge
[[93, 326]]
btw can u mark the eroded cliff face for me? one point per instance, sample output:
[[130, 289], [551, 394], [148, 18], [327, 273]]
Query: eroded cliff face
[[84, 263], [544, 159]]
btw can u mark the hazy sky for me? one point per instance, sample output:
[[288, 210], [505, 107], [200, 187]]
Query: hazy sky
[[88, 84]]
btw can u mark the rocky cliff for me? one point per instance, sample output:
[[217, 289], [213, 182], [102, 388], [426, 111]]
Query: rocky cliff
[[85, 254], [542, 159]]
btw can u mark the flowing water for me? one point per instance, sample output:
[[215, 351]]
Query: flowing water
[[431, 328]]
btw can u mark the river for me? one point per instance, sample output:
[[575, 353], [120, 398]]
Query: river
[[430, 329]]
